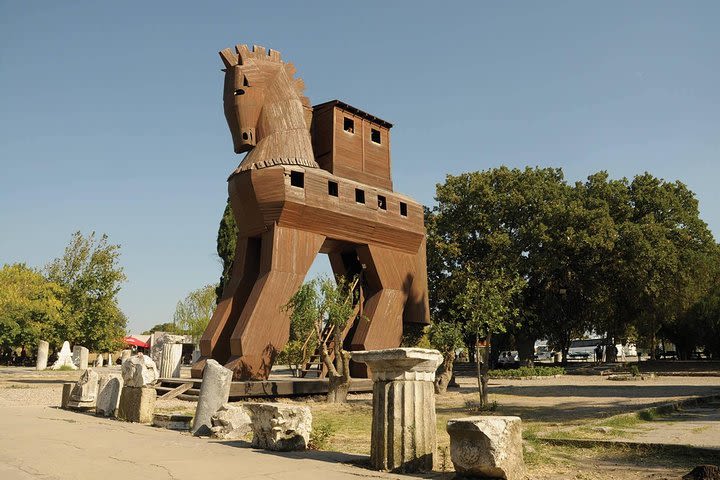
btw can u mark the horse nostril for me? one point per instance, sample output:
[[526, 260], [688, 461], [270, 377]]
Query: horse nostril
[[239, 91], [245, 136]]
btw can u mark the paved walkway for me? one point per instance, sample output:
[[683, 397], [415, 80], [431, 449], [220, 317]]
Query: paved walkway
[[49, 443]]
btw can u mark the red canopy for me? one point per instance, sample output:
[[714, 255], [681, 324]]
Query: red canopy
[[136, 341]]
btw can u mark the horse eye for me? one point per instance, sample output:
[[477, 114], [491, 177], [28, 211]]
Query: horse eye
[[239, 91]]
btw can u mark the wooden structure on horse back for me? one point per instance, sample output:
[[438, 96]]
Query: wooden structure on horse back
[[313, 180]]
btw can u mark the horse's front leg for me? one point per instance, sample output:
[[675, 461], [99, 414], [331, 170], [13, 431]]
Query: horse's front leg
[[263, 328]]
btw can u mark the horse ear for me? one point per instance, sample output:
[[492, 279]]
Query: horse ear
[[228, 58], [244, 53]]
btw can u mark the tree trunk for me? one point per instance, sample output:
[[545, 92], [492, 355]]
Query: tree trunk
[[526, 349], [443, 378], [482, 356], [339, 377]]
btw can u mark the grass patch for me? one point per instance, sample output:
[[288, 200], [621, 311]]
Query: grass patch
[[67, 368], [524, 372], [347, 426], [621, 422], [320, 436]]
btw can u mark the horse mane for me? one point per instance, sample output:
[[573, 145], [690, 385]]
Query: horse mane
[[260, 64]]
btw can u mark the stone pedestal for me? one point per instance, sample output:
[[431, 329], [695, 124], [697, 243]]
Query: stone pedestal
[[137, 404], [80, 357], [42, 355], [139, 371], [214, 393], [487, 447], [99, 360], [170, 360], [404, 422], [108, 397]]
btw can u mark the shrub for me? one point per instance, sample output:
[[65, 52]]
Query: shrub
[[527, 372], [320, 436]]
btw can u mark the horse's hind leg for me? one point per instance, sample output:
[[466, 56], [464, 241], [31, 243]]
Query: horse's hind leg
[[389, 276], [263, 328], [215, 341]]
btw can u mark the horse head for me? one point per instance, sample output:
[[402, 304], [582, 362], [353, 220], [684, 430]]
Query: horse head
[[261, 98]]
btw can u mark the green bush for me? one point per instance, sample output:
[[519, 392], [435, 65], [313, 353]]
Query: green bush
[[527, 372], [320, 436]]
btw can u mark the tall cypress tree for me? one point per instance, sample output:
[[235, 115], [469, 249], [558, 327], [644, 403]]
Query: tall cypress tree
[[226, 239]]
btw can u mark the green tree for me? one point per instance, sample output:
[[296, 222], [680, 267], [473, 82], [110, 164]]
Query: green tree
[[326, 307], [226, 241], [487, 305], [30, 308], [90, 275], [446, 337], [193, 313], [168, 327]]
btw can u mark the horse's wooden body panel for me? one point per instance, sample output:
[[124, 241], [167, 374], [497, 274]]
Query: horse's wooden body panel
[[287, 210]]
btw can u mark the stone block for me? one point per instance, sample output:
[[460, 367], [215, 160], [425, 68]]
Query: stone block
[[280, 427], [109, 390], [487, 447], [42, 355], [231, 422], [66, 391], [137, 404], [139, 371], [182, 423], [214, 393]]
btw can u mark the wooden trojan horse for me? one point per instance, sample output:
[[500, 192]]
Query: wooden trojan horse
[[313, 180]]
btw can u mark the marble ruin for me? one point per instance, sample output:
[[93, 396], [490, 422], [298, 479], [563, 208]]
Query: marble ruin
[[108, 397], [280, 427], [64, 358], [170, 360], [214, 393], [84, 393], [487, 447], [139, 371], [231, 422], [404, 421], [42, 355]]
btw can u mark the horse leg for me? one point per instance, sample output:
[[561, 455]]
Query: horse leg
[[215, 341], [263, 328], [389, 277]]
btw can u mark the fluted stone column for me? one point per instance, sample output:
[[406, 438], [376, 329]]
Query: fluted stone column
[[42, 355], [170, 360], [403, 427]]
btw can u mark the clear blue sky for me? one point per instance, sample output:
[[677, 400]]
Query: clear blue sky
[[111, 117]]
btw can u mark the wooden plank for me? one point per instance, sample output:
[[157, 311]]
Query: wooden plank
[[177, 391]]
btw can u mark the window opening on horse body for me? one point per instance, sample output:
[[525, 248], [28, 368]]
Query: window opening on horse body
[[297, 179], [403, 209], [359, 195], [332, 188]]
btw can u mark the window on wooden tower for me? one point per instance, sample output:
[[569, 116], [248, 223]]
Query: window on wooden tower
[[375, 136], [349, 125], [382, 202], [359, 195], [403, 209]]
